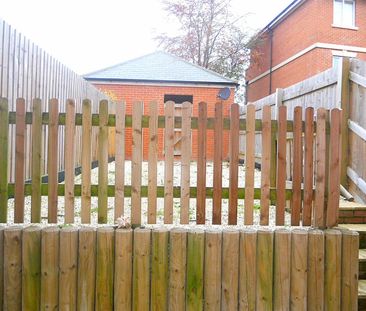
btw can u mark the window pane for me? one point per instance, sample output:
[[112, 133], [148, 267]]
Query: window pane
[[337, 13], [348, 13]]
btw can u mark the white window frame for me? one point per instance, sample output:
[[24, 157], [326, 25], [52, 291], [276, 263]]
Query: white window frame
[[343, 24]]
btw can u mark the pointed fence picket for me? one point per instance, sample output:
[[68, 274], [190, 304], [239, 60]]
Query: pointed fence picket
[[316, 145]]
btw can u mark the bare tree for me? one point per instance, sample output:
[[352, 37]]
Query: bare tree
[[210, 36]]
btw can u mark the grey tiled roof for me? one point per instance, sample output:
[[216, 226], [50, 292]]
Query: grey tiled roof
[[159, 66]]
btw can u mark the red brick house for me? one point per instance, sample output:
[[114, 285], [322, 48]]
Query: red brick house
[[160, 76], [307, 37]]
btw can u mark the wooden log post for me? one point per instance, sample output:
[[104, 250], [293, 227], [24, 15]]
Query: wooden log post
[[349, 289], [264, 269], [230, 268], [159, 270], [68, 268], [299, 267], [86, 268], [333, 257], [316, 253], [201, 163], [247, 270], [31, 268], [141, 270], [212, 282], [282, 270], [177, 269], [195, 259], [169, 162], [123, 270], [105, 269], [50, 268], [13, 268]]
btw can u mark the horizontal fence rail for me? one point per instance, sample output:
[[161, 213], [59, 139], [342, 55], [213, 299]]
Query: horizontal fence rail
[[316, 137], [178, 269]]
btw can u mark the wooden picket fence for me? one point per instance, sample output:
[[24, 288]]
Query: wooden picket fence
[[105, 269], [320, 128]]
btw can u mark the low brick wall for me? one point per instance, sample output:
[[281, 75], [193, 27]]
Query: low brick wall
[[162, 269], [352, 216]]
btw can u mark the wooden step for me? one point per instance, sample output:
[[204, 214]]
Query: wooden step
[[362, 264]]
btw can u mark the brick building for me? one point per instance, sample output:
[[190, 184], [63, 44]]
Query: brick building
[[307, 37], [161, 77]]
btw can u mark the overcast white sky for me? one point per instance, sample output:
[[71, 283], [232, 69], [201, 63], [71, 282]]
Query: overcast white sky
[[88, 35]]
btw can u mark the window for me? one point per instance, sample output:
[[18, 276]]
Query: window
[[178, 99], [344, 13]]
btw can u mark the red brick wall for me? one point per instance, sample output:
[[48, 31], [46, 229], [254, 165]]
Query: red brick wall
[[145, 93], [308, 24]]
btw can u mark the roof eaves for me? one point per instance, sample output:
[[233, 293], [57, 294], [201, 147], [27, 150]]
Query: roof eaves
[[281, 16], [227, 83]]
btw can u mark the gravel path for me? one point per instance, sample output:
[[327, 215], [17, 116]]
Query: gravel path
[[160, 205]]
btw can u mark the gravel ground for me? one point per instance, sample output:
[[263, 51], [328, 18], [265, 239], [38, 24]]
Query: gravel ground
[[160, 205]]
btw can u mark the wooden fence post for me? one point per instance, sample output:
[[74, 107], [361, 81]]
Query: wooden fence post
[[4, 133], [343, 101]]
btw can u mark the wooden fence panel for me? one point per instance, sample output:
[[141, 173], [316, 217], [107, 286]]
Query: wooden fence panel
[[297, 168], [86, 162], [265, 165], [103, 163], [217, 163], [234, 161], [153, 160], [19, 161], [281, 166], [185, 162], [249, 165], [169, 162], [69, 152], [201, 164], [308, 166]]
